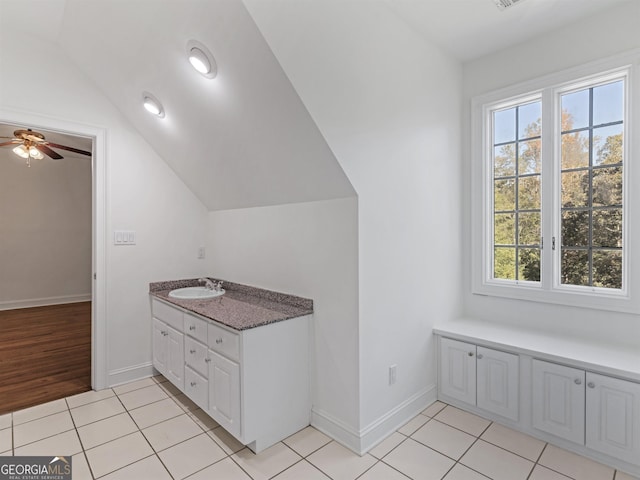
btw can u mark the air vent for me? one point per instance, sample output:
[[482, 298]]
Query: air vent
[[504, 4]]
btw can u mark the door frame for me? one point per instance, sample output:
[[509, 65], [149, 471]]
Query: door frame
[[98, 135]]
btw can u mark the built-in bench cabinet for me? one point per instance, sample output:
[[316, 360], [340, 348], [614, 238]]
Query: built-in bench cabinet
[[555, 396], [596, 410], [480, 376], [254, 382]]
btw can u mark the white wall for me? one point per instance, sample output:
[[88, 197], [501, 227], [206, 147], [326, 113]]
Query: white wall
[[592, 39], [309, 250], [388, 104], [45, 227], [143, 194]]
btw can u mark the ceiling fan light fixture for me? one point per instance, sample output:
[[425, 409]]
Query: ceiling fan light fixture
[[35, 153], [152, 105], [21, 151], [201, 59]]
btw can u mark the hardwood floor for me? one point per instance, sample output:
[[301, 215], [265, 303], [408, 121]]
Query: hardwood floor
[[45, 354]]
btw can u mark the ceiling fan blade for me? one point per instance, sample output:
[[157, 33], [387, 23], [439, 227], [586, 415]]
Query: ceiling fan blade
[[47, 151], [70, 149], [12, 142]]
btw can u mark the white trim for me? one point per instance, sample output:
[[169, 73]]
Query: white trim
[[337, 429], [43, 302], [99, 215], [378, 430], [130, 374], [363, 440], [603, 299]]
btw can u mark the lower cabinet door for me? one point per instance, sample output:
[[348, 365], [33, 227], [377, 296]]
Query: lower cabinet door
[[458, 370], [196, 387], [224, 392], [160, 346], [175, 358], [558, 402], [613, 420], [497, 382]]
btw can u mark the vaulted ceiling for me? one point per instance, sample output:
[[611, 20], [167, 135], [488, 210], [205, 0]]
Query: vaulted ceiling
[[245, 138]]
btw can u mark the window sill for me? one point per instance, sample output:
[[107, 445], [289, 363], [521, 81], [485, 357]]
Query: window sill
[[614, 302]]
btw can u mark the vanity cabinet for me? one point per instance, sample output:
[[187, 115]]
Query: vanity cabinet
[[480, 376], [253, 382], [588, 408], [168, 352]]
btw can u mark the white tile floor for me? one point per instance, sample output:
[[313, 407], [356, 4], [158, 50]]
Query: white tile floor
[[149, 430]]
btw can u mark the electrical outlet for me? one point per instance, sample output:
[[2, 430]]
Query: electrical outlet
[[393, 369]]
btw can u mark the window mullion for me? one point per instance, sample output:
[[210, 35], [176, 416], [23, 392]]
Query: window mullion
[[550, 202]]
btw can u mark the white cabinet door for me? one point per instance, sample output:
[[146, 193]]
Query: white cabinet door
[[613, 417], [458, 370], [160, 346], [558, 400], [497, 382], [175, 358], [224, 392]]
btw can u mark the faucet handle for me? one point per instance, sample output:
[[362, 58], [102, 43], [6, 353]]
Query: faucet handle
[[219, 285]]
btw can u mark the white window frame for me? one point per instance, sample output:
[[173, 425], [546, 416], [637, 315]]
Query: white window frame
[[548, 89]]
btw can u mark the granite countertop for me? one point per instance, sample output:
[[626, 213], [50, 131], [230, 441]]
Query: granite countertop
[[241, 307]]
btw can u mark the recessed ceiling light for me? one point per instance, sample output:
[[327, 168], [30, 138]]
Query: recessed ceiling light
[[201, 59], [152, 104]]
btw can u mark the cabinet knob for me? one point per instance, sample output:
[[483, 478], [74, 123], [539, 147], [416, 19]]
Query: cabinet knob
[[591, 385], [470, 354], [218, 341], [207, 360], [192, 351], [577, 381], [192, 327], [479, 356], [193, 384]]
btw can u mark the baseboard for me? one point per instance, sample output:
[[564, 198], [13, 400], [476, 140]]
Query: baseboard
[[336, 429], [361, 441], [378, 430], [130, 374], [43, 302]]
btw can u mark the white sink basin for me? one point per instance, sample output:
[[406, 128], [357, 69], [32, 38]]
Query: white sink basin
[[194, 293]]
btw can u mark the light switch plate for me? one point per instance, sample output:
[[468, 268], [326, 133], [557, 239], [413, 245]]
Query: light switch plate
[[124, 237]]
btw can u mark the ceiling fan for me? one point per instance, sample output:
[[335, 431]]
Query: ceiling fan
[[33, 145]]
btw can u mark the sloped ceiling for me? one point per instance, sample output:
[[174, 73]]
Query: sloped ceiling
[[243, 139]]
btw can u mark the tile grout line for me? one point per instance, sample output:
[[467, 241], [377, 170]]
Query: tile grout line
[[145, 439], [84, 451]]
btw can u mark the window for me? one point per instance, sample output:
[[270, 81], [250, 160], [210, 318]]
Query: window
[[551, 206], [516, 192]]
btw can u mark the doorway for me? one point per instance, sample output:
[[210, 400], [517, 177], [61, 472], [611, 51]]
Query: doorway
[[46, 284]]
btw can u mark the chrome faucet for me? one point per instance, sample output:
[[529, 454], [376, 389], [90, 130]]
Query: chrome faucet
[[208, 284]]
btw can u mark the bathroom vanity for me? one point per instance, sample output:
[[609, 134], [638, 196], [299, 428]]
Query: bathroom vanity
[[243, 357]]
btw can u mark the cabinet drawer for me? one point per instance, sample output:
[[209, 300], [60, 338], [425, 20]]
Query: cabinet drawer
[[224, 342], [196, 387], [167, 314], [195, 354], [195, 327]]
